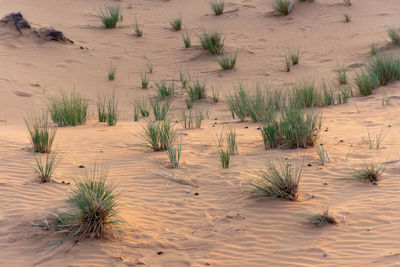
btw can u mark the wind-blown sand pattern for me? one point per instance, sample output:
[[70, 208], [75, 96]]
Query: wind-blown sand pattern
[[213, 221]]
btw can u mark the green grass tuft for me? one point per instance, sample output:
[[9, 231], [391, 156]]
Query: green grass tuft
[[186, 38], [145, 81], [342, 76], [227, 62], [68, 110], [174, 154], [110, 16], [217, 6], [176, 24], [322, 219], [112, 72], [394, 35], [212, 41], [279, 181], [41, 134], [283, 7], [45, 170], [160, 109], [165, 90], [368, 172], [158, 135]]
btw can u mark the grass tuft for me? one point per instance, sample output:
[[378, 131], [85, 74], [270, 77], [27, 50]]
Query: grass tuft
[[110, 16], [45, 170], [138, 30], [186, 38], [294, 56], [279, 181], [322, 219], [212, 41], [165, 90], [394, 35], [112, 72], [158, 135], [217, 6], [342, 76], [41, 134], [93, 207], [283, 7], [347, 18], [160, 109], [227, 62], [176, 23], [68, 110], [145, 81], [174, 154], [368, 172]]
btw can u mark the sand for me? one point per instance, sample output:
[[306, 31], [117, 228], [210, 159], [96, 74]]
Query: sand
[[216, 222]]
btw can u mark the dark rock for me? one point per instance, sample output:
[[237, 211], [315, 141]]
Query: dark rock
[[18, 20]]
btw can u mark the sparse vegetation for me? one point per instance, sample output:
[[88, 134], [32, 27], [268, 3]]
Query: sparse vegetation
[[112, 71], [93, 207], [212, 41], [377, 141], [283, 7], [159, 134], [186, 38], [322, 219], [294, 56], [342, 76], [112, 108], [138, 30], [215, 95], [68, 110], [150, 67], [217, 6], [226, 62], [279, 181], [101, 108], [145, 81], [288, 64], [190, 120], [41, 134], [196, 89], [373, 49], [368, 172], [176, 23], [45, 170], [347, 18], [394, 35], [160, 109], [322, 154], [110, 16], [366, 82], [174, 154], [224, 156], [165, 90]]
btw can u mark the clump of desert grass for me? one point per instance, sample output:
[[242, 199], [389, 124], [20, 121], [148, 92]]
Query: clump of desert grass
[[174, 153], [394, 35], [196, 89], [227, 145], [227, 62], [165, 90], [217, 6], [288, 64], [145, 81], [140, 108], [215, 95], [158, 135], [186, 38], [305, 94], [373, 49], [385, 100], [347, 18], [322, 218], [368, 172], [112, 72], [138, 29], [342, 76], [150, 67], [176, 23], [322, 154], [192, 118], [212, 41], [44, 169], [93, 207], [107, 108], [41, 134], [347, 2], [279, 180], [376, 143], [110, 16], [294, 56], [224, 156], [383, 70], [283, 7], [68, 110], [160, 108]]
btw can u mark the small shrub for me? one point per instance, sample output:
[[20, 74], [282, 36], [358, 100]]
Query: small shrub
[[368, 172], [145, 81], [174, 154], [41, 134], [347, 18], [112, 72], [176, 24], [212, 41], [110, 16], [138, 30], [394, 35], [227, 62], [283, 7], [238, 103], [186, 39], [160, 109], [305, 94], [345, 93], [366, 82], [270, 133], [386, 68], [45, 170], [159, 134], [279, 181], [217, 6], [68, 109], [165, 90], [322, 219], [93, 207]]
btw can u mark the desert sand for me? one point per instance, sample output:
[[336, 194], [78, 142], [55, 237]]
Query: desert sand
[[216, 222]]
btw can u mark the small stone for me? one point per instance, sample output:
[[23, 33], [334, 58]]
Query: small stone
[[389, 126], [81, 47], [258, 128], [341, 141], [81, 166], [207, 264], [374, 183], [325, 183], [325, 255], [215, 118], [246, 127], [312, 196], [196, 194], [213, 125], [160, 253], [62, 182], [309, 165]]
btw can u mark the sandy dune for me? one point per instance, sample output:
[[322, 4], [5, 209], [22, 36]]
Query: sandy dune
[[216, 222]]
